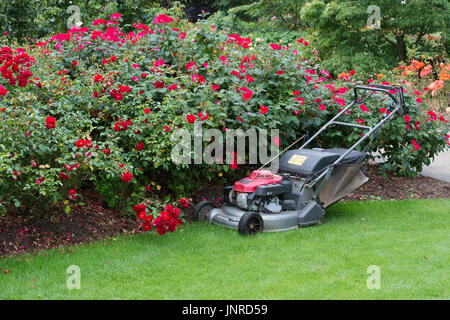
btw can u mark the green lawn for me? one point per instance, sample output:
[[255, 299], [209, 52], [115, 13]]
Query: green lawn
[[408, 240]]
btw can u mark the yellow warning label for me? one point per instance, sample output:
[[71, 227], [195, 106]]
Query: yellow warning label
[[297, 160]]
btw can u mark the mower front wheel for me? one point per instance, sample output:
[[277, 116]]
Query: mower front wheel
[[251, 223], [202, 209]]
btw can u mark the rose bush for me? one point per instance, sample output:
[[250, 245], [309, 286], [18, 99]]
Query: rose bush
[[98, 106]]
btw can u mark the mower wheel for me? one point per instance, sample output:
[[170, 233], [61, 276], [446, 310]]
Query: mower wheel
[[202, 209], [251, 223]]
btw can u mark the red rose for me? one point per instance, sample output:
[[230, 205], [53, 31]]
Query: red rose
[[184, 202], [140, 146], [50, 122], [416, 146], [139, 208], [275, 46], [191, 118], [146, 226], [64, 176], [142, 215], [115, 16], [127, 177], [203, 116], [82, 143], [162, 18], [98, 78], [264, 109], [3, 91]]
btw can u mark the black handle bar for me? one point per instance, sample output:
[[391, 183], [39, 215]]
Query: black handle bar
[[397, 97]]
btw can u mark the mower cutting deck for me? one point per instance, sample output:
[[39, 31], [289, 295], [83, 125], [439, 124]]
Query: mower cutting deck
[[308, 181]]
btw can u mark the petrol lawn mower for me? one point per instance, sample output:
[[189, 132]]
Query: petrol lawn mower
[[308, 180]]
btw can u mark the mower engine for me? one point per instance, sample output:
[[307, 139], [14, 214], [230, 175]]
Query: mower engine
[[262, 191]]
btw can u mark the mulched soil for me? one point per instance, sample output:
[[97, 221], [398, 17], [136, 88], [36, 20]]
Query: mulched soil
[[21, 233], [399, 188]]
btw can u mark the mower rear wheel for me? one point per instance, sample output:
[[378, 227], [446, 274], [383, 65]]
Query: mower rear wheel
[[251, 223], [202, 209]]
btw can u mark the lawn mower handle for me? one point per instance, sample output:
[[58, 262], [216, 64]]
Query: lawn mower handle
[[399, 101], [398, 108]]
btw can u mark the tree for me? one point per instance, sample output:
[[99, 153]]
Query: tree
[[340, 27]]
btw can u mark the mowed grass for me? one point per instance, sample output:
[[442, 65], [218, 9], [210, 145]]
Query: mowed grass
[[408, 240]]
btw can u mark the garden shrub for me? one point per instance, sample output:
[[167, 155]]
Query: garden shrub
[[97, 105]]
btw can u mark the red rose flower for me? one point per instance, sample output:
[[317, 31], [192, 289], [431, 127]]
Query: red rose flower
[[275, 46], [264, 109], [364, 108], [50, 122], [162, 18], [191, 118], [98, 78], [184, 202], [416, 146], [64, 176], [80, 143], [140, 146], [127, 177], [115, 16], [3, 91]]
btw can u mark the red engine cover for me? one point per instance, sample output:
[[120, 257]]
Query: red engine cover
[[257, 178]]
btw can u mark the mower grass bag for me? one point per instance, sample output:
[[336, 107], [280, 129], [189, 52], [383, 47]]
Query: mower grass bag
[[307, 182]]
